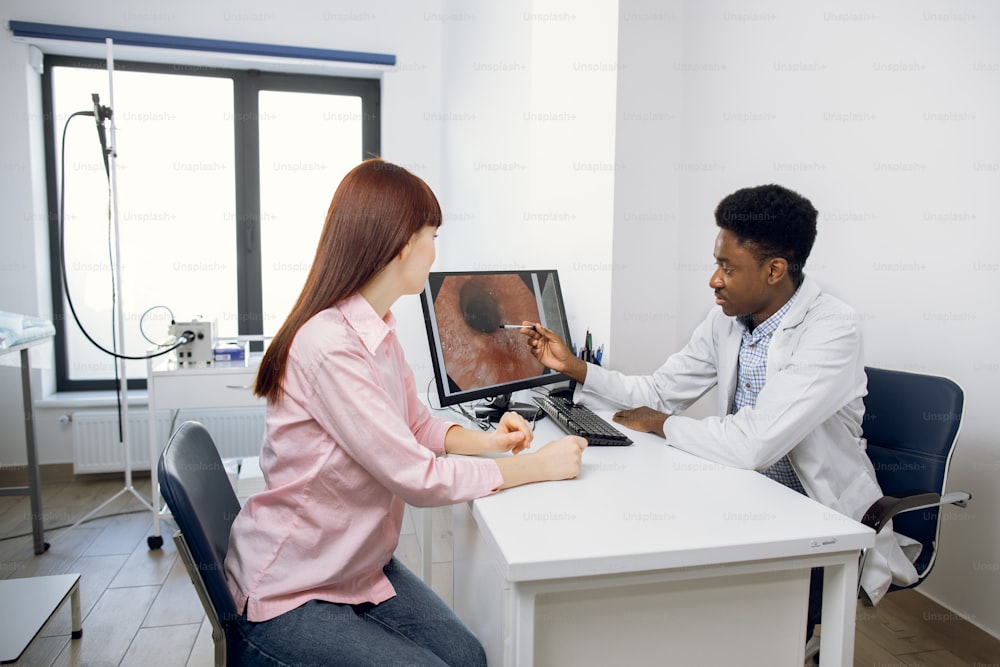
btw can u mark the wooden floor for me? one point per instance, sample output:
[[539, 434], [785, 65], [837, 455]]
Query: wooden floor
[[139, 607]]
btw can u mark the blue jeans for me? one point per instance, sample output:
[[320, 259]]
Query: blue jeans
[[415, 627]]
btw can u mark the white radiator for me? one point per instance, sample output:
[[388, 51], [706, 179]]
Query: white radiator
[[96, 447]]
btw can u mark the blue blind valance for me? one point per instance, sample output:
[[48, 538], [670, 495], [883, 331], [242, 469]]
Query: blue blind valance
[[28, 29]]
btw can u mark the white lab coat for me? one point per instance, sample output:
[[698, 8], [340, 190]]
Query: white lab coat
[[810, 409]]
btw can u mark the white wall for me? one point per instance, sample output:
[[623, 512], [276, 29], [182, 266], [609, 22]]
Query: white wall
[[529, 88], [24, 277], [647, 217], [885, 116]]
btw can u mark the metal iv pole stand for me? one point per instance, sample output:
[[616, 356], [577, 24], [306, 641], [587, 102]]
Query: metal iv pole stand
[[154, 541]]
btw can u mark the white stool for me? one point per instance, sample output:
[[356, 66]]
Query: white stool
[[28, 604]]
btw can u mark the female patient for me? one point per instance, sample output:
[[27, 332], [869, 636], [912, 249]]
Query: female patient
[[347, 443]]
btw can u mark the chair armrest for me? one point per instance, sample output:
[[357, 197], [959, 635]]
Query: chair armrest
[[959, 498], [886, 507]]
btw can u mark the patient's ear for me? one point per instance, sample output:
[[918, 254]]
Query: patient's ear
[[405, 250]]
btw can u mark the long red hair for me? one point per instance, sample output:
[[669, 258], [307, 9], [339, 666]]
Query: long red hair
[[375, 211]]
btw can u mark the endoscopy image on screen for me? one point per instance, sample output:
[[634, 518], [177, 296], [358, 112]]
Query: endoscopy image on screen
[[469, 311]]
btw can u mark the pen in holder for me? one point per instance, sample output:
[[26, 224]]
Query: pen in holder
[[589, 353]]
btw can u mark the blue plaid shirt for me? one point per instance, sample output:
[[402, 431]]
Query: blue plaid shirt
[[752, 374]]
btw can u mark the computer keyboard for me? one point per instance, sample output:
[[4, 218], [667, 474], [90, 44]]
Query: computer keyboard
[[580, 420]]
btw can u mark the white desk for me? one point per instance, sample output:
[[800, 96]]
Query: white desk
[[653, 556], [173, 387], [28, 605]]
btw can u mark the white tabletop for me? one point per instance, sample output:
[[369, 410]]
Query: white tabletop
[[650, 506], [166, 363], [28, 604], [17, 347]]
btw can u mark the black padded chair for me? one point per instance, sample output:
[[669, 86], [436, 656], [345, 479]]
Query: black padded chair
[[911, 424], [197, 490]]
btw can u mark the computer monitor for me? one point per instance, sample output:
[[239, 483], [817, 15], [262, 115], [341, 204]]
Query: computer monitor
[[474, 356]]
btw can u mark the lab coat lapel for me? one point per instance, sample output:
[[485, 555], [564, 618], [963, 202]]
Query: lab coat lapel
[[784, 342], [729, 357]]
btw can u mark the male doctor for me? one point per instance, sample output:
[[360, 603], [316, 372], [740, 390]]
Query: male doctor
[[786, 358]]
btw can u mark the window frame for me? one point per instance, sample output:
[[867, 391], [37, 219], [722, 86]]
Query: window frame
[[246, 207]]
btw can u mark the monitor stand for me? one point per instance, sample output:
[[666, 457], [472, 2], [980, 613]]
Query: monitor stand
[[495, 408]]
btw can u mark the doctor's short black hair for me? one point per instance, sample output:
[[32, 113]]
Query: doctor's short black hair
[[771, 221]]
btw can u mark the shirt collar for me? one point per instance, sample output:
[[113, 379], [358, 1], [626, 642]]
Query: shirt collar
[[768, 326], [361, 317]]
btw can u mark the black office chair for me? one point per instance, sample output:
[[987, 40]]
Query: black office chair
[[197, 490], [911, 424]]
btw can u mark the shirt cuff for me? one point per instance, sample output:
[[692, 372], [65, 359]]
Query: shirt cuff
[[436, 435]]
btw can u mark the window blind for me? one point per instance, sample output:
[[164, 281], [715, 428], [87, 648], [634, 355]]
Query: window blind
[[49, 31]]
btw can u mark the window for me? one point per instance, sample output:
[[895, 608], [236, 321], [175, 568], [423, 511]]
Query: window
[[223, 179]]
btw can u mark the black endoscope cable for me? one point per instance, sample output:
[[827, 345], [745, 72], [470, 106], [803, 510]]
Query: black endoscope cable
[[184, 339]]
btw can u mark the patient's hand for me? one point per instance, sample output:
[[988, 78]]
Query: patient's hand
[[643, 419]]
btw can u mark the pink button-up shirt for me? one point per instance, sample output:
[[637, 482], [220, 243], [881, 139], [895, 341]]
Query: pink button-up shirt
[[344, 449]]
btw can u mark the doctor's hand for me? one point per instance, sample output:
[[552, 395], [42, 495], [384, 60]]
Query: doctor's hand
[[550, 350], [513, 434], [643, 419]]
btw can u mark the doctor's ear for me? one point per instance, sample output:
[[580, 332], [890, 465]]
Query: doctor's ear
[[777, 268]]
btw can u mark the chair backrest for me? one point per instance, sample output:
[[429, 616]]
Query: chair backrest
[[196, 488], [911, 424]]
